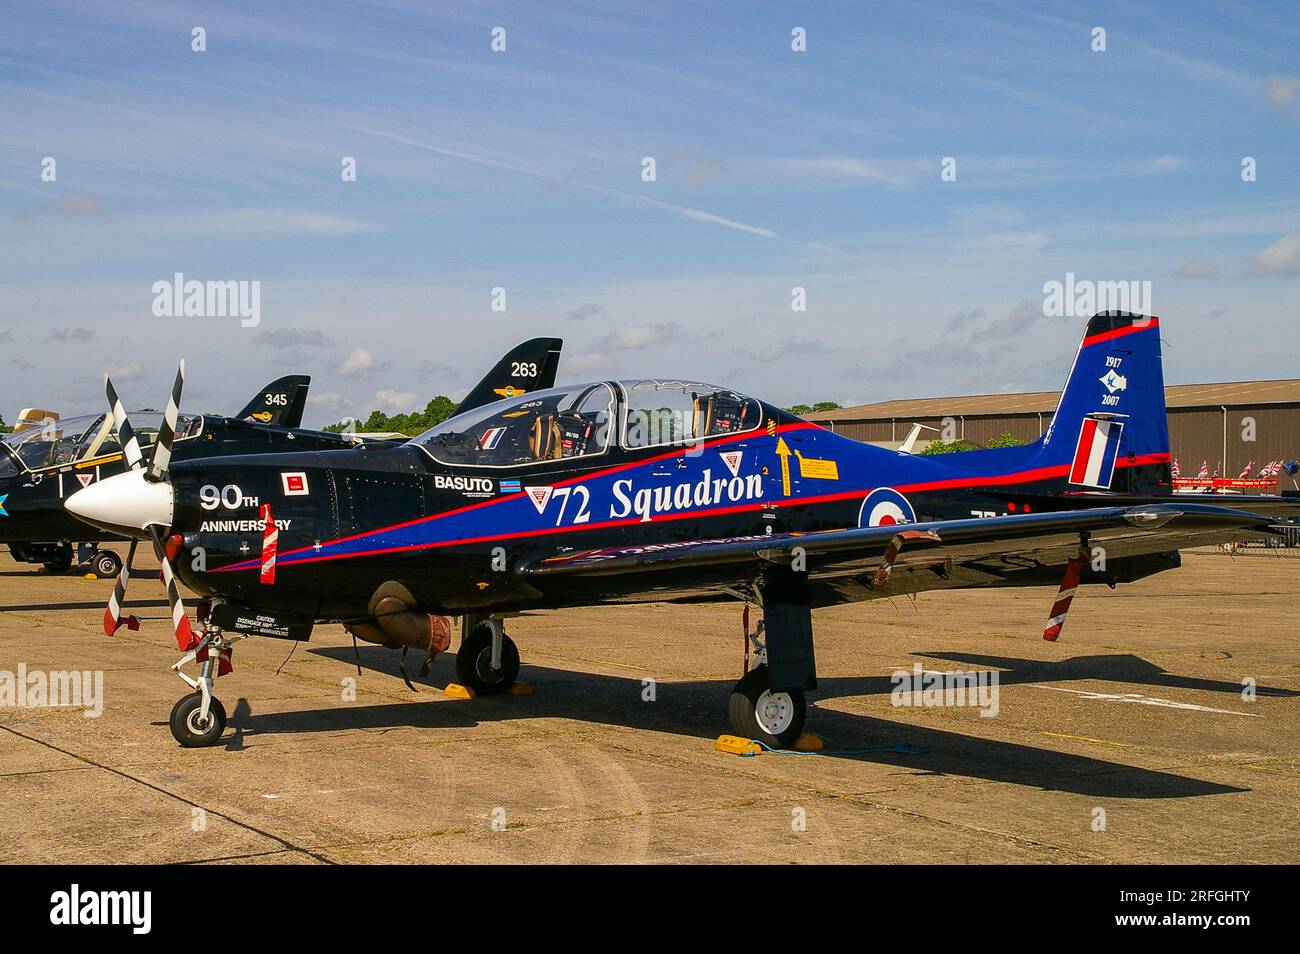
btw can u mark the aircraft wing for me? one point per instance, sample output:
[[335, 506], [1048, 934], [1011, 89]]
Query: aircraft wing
[[996, 547], [1284, 505]]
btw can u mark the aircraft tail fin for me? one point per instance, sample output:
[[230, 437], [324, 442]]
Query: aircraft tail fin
[[30, 417], [530, 366], [1110, 431], [280, 403]]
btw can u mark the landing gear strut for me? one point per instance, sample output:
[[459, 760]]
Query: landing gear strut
[[488, 660], [756, 711], [198, 719], [58, 558]]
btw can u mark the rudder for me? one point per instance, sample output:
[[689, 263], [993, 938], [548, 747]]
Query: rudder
[[280, 403]]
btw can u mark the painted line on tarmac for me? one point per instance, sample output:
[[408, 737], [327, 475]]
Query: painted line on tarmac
[[1147, 701], [287, 845], [1085, 738]]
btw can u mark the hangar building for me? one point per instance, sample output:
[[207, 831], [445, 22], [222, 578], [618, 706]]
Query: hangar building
[[1207, 422]]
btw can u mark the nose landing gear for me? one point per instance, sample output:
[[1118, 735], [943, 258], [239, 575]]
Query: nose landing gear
[[198, 719]]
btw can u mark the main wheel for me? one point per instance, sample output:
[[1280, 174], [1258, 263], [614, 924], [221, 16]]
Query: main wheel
[[474, 662], [106, 564], [188, 726], [60, 560], [756, 712]]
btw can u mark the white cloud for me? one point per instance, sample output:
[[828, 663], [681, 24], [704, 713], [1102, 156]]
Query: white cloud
[[585, 311], [1197, 268], [643, 336], [842, 169], [326, 400], [293, 338], [286, 222], [1280, 258], [580, 364], [1282, 90], [531, 169], [126, 372], [792, 347], [402, 401], [358, 364]]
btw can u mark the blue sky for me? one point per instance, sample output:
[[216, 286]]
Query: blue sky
[[522, 169]]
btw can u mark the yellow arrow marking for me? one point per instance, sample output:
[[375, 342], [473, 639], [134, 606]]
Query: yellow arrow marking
[[783, 451]]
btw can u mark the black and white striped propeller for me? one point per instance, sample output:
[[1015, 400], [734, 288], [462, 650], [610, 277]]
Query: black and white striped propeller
[[154, 472]]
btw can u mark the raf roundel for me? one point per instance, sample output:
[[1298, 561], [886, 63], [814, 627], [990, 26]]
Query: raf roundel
[[885, 507]]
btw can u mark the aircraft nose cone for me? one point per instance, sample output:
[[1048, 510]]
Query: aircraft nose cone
[[124, 503]]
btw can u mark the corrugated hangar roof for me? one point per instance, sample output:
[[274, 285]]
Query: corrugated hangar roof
[[1231, 393]]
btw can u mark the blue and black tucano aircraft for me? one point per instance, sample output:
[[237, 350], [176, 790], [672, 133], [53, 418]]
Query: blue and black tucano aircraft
[[661, 490]]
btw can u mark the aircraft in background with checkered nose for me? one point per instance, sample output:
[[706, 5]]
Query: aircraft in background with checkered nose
[[661, 490], [48, 458]]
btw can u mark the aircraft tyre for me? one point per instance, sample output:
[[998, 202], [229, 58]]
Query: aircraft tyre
[[474, 662], [60, 559], [188, 727], [774, 718], [106, 564]]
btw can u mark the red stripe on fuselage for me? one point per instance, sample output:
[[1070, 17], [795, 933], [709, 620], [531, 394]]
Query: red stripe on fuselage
[[954, 483]]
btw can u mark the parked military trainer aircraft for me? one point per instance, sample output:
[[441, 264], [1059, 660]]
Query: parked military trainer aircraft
[[41, 466], [48, 458], [661, 490]]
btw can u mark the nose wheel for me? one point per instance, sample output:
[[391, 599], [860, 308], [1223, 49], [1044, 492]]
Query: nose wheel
[[106, 564], [191, 727], [488, 660], [198, 719]]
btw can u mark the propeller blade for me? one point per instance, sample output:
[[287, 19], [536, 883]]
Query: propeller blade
[[180, 622], [113, 613], [122, 424], [162, 448]]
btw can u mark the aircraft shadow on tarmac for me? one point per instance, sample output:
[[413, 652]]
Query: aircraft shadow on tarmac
[[694, 709], [96, 604], [92, 604], [1119, 668]]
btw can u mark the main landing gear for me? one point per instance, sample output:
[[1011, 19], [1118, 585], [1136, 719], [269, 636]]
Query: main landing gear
[[198, 719], [488, 660], [59, 558], [756, 711], [768, 704], [105, 564]]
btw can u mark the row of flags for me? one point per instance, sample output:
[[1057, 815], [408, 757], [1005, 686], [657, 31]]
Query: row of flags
[[1269, 470]]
